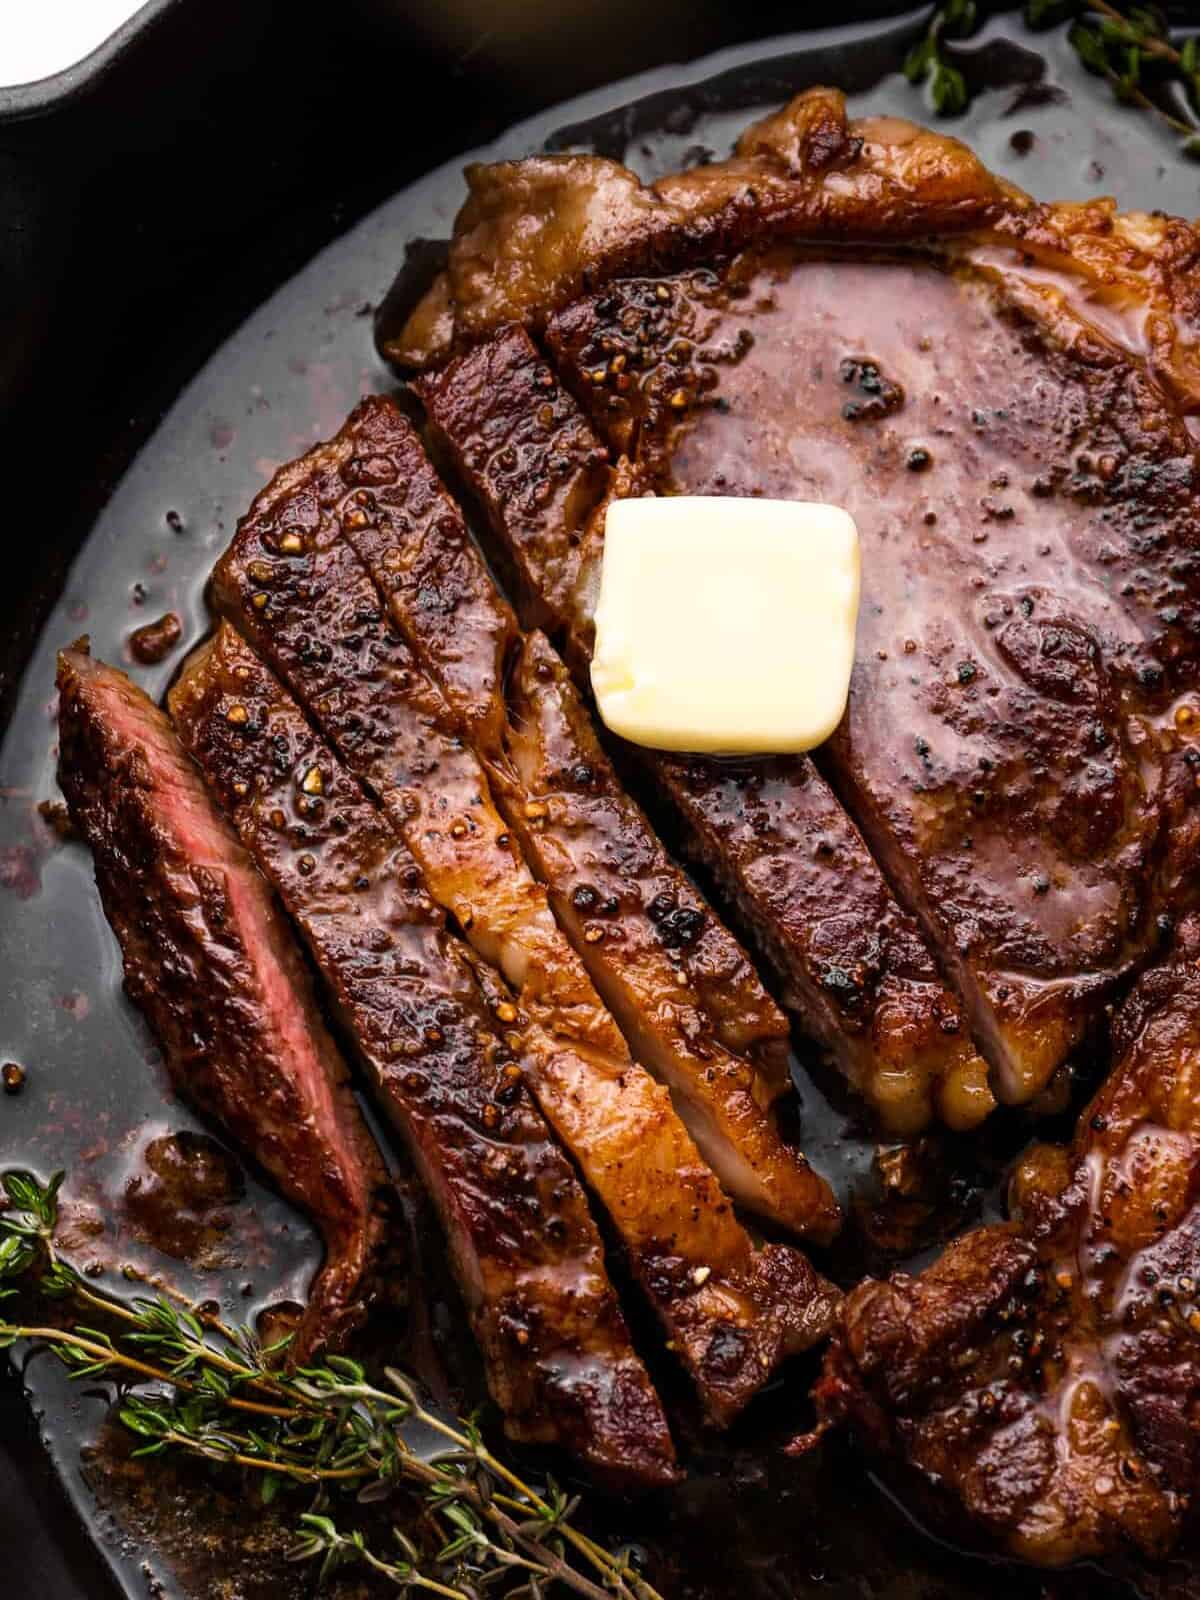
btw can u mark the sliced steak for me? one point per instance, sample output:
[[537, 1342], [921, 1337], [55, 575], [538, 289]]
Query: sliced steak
[[1044, 1376], [400, 552], [210, 961], [770, 831], [525, 1250], [731, 1313]]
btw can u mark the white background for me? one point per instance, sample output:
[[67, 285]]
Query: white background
[[41, 37]]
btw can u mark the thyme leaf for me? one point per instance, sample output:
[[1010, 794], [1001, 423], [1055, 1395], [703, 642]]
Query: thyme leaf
[[926, 61], [1132, 48]]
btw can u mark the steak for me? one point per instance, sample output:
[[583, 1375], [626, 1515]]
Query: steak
[[210, 961], [641, 927], [525, 1251], [731, 1312], [1044, 1375], [1003, 406], [770, 830]]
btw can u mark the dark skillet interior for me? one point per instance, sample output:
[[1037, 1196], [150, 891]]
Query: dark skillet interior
[[151, 217]]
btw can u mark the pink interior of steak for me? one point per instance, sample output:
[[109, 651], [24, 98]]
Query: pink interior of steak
[[208, 957], [199, 834]]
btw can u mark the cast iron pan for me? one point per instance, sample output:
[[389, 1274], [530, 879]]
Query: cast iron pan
[[122, 321]]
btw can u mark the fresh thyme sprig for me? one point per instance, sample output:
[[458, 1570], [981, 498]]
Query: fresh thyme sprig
[[926, 59], [216, 1395], [1132, 48]]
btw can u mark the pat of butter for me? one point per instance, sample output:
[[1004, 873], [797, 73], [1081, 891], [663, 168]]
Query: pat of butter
[[725, 625]]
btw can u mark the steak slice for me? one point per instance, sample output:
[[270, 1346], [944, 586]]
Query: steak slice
[[770, 831], [1044, 1376], [525, 1251], [211, 963], [637, 919], [731, 1313]]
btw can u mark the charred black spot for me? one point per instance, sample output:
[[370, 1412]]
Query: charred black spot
[[879, 395], [677, 925]]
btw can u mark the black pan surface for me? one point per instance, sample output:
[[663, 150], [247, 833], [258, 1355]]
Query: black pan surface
[[96, 1101]]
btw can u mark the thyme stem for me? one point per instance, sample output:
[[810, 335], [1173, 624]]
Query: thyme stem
[[413, 1580], [112, 1357], [61, 1336], [1151, 44]]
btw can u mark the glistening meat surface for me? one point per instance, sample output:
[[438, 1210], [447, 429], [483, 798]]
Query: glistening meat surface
[[1011, 747], [525, 1251], [731, 1312], [1006, 412], [210, 961], [770, 831], [1044, 1376]]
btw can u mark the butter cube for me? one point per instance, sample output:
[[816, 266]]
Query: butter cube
[[725, 625]]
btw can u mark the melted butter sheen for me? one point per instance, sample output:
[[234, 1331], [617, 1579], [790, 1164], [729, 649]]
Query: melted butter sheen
[[726, 625]]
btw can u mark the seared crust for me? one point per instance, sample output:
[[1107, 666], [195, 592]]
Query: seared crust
[[321, 624], [534, 234], [526, 1252], [1011, 749], [1045, 1375], [516, 440], [771, 832], [211, 962]]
